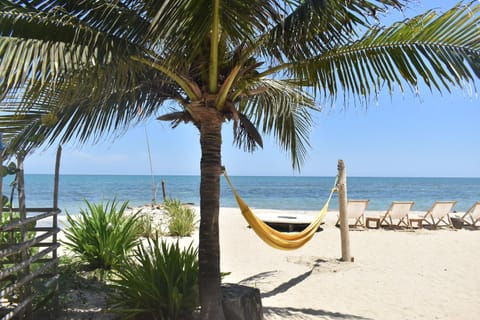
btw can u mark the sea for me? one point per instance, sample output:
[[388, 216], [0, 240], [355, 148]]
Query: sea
[[263, 192]]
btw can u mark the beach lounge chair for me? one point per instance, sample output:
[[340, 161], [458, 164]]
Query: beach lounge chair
[[472, 216], [439, 214], [356, 212], [397, 214]]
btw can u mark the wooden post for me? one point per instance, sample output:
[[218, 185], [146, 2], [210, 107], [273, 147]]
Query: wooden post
[[164, 191], [55, 226], [342, 207], [21, 186], [25, 254], [57, 177]]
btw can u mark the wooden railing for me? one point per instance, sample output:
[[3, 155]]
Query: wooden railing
[[28, 262]]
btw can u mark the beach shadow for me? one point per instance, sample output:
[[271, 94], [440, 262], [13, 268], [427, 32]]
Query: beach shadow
[[297, 313], [258, 277], [287, 285], [284, 287]]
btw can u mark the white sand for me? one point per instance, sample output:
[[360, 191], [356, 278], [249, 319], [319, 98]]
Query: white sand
[[421, 274], [425, 274]]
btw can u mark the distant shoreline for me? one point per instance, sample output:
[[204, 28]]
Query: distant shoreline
[[248, 176]]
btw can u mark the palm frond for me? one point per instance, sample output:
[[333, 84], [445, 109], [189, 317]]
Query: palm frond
[[247, 129], [315, 26], [85, 107], [127, 19], [442, 50], [283, 109], [182, 29], [176, 117], [38, 47]]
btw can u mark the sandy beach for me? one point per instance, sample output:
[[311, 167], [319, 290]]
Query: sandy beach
[[421, 274]]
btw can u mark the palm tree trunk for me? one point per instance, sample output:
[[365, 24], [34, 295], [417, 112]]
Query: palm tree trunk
[[209, 246]]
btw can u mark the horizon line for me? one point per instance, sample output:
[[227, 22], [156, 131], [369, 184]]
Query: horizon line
[[249, 175]]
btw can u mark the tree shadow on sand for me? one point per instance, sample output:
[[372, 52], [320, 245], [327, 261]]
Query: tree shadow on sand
[[299, 314], [286, 285]]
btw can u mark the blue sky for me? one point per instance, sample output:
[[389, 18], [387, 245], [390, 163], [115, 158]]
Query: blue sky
[[434, 135]]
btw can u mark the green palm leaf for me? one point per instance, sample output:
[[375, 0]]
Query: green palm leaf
[[283, 109], [441, 50], [313, 26]]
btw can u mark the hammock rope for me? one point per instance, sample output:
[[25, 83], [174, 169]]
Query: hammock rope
[[275, 238]]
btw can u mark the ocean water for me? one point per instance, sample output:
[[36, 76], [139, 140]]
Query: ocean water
[[293, 193]]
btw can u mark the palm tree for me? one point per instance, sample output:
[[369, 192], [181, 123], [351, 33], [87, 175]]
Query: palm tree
[[83, 69]]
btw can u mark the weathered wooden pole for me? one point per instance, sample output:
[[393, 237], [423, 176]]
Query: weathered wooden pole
[[21, 187], [342, 207], [56, 187], [57, 178], [25, 253], [164, 191]]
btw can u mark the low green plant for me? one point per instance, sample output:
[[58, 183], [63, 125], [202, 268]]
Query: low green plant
[[182, 220], [171, 204], [160, 281], [101, 235], [148, 228]]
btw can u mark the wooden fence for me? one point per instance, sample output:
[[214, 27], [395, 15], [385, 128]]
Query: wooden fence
[[28, 253], [28, 274]]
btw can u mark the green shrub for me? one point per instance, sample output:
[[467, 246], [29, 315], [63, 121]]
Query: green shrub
[[172, 204], [102, 235], [146, 228], [149, 229], [160, 282], [182, 219]]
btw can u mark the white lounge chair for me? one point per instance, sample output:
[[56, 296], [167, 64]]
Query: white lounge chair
[[397, 214], [439, 214], [472, 216], [356, 212]]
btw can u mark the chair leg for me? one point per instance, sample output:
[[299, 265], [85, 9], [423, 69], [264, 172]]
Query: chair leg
[[403, 222], [358, 222], [450, 223], [433, 224], [382, 220]]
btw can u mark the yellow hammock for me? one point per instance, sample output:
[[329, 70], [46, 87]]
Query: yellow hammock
[[275, 238]]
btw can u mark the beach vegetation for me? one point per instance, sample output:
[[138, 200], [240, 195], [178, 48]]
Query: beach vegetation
[[160, 281], [101, 235], [182, 219], [80, 70], [149, 229]]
